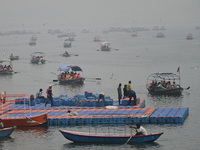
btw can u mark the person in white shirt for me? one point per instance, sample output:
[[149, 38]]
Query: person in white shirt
[[139, 129]]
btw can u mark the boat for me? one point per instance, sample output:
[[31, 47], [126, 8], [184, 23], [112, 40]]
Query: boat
[[103, 138], [67, 44], [5, 132], [189, 36], [19, 119], [66, 54], [160, 84], [160, 35], [14, 57], [37, 58], [32, 43], [105, 46], [6, 67], [70, 78], [134, 34], [25, 121], [97, 39]]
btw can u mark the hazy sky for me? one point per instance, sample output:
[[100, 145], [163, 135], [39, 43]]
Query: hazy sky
[[98, 13]]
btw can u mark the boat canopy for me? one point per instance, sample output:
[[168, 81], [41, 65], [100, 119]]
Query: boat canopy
[[66, 68], [105, 43], [37, 54], [163, 76]]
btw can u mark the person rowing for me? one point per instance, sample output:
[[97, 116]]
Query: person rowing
[[140, 130]]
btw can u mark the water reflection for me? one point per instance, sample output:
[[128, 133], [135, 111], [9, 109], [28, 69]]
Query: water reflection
[[165, 100]]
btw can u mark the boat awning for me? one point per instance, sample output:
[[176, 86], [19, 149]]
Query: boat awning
[[66, 68], [164, 76]]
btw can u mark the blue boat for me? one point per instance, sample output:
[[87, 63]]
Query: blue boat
[[83, 137], [6, 131]]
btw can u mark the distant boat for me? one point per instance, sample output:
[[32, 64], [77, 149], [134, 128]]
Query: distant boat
[[14, 57], [6, 67], [160, 35], [37, 58], [66, 54], [189, 36], [134, 34], [103, 138], [105, 46], [34, 38], [67, 44], [5, 132], [32, 43], [97, 39]]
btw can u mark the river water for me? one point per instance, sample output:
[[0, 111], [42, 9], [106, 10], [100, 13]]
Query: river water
[[131, 58]]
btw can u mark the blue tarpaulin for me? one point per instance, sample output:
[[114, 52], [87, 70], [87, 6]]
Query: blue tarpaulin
[[66, 68]]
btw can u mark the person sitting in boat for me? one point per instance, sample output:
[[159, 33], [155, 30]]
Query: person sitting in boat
[[1, 68], [75, 75], [62, 75], [1, 124], [5, 67], [140, 130], [78, 76], [11, 55], [174, 85], [33, 58], [9, 68], [168, 86]]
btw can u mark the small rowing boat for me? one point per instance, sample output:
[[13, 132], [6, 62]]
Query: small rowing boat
[[6, 131], [108, 138]]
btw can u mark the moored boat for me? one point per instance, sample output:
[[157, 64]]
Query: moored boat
[[108, 138], [5, 132], [105, 46], [69, 78]]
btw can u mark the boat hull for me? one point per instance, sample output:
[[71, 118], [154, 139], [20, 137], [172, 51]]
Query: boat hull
[[14, 58], [6, 131], [72, 81], [6, 72], [38, 61], [176, 91], [108, 139], [24, 121]]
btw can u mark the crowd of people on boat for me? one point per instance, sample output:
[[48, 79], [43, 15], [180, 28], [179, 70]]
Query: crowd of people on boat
[[5, 68], [37, 58], [154, 85], [70, 75]]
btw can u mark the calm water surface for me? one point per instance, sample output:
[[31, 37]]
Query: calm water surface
[[131, 58]]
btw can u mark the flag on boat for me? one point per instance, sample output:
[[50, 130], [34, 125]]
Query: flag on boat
[[178, 69]]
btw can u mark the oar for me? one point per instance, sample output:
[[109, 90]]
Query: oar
[[94, 78], [55, 80], [187, 88], [131, 136]]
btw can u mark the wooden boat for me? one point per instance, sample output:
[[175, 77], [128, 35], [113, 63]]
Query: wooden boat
[[25, 121], [65, 71], [5, 132], [66, 54], [37, 58], [105, 46], [32, 43], [160, 84], [160, 35], [97, 39], [67, 44], [14, 57], [6, 67], [189, 36], [107, 139]]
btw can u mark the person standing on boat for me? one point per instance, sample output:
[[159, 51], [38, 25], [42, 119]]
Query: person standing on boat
[[49, 95], [1, 124], [132, 94], [140, 130], [119, 90]]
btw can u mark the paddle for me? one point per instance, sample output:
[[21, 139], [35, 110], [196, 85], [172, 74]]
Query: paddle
[[187, 88], [55, 80], [94, 78], [131, 136]]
